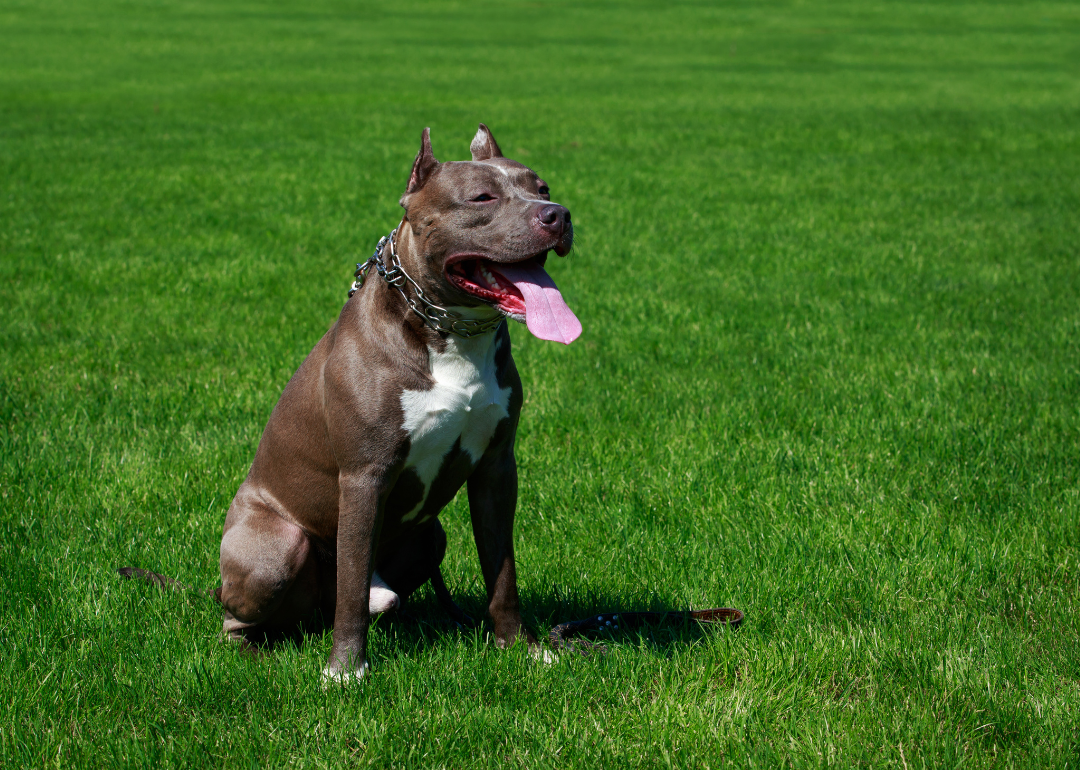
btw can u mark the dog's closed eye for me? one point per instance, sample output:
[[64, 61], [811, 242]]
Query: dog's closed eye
[[482, 197]]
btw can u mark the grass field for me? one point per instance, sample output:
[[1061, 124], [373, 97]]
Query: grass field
[[829, 274]]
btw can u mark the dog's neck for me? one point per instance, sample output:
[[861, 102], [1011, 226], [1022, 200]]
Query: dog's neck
[[402, 266]]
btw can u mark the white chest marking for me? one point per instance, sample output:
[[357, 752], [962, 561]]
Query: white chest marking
[[466, 402]]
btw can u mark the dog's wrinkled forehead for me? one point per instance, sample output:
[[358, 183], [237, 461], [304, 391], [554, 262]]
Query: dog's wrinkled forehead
[[500, 177]]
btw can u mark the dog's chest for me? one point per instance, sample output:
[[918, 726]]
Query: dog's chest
[[464, 405]]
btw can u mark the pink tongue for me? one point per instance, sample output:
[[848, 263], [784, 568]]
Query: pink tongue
[[546, 313]]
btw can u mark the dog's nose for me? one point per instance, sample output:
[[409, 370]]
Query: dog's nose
[[554, 218]]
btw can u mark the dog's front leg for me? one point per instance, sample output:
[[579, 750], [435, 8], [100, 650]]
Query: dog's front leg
[[359, 517], [492, 502]]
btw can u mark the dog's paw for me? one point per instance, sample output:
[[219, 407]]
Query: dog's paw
[[543, 655], [381, 598], [332, 678]]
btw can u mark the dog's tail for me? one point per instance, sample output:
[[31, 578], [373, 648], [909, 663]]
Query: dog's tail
[[164, 581]]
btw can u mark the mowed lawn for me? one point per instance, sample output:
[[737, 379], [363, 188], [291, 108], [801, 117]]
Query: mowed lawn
[[828, 267]]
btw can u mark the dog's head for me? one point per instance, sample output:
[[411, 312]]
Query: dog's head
[[476, 235]]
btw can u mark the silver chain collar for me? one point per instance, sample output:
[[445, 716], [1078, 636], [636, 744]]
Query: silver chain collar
[[438, 318]]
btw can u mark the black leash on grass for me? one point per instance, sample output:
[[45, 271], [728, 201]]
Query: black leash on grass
[[561, 635]]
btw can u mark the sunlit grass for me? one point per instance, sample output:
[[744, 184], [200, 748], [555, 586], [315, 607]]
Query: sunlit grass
[[828, 271]]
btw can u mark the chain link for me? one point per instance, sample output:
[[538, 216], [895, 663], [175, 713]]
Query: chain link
[[438, 318]]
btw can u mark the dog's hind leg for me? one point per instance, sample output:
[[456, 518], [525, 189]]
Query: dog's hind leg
[[270, 576], [269, 573], [446, 601], [408, 564]]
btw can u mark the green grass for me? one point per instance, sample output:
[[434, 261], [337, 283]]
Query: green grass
[[829, 273]]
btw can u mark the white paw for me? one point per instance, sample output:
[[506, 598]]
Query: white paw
[[543, 655], [336, 678], [380, 597]]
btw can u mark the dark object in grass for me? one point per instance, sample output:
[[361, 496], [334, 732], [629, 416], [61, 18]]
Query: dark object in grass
[[153, 578], [168, 583], [626, 621]]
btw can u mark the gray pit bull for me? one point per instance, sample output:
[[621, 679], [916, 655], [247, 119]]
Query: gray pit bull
[[411, 394]]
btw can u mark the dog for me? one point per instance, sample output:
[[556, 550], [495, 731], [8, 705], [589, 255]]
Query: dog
[[409, 396]]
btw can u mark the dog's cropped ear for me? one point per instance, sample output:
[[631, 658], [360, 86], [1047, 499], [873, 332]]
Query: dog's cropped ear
[[424, 164], [484, 145]]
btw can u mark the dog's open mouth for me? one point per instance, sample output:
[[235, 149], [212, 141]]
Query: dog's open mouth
[[521, 290], [482, 278]]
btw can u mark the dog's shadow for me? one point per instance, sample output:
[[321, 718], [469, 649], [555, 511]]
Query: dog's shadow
[[421, 622]]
